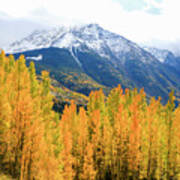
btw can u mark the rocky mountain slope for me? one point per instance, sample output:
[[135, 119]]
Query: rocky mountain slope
[[85, 58]]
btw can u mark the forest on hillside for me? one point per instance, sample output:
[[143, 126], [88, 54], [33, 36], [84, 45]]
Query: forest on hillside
[[121, 136]]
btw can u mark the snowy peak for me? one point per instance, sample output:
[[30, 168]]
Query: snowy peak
[[98, 54], [62, 37], [91, 36], [163, 55], [36, 40]]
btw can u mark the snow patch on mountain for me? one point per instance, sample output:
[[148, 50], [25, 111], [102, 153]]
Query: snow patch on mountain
[[35, 58], [160, 54], [76, 59]]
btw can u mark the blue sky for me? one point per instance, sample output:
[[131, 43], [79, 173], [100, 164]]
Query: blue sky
[[138, 20], [141, 5], [131, 5]]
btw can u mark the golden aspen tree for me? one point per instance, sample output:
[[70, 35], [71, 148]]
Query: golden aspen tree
[[89, 171], [121, 135], [176, 160], [50, 165], [7, 95], [82, 141], [170, 133], [96, 101], [113, 101], [22, 111], [134, 138], [107, 142], [150, 138], [68, 160], [96, 140]]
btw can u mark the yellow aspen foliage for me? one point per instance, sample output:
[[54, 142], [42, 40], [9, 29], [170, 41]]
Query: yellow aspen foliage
[[88, 167], [107, 142], [122, 136], [22, 121], [176, 147]]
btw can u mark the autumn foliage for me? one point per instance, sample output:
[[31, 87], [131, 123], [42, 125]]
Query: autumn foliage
[[122, 136]]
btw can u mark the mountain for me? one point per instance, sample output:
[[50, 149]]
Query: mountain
[[163, 55], [87, 57]]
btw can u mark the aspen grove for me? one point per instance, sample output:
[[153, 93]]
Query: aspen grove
[[122, 136]]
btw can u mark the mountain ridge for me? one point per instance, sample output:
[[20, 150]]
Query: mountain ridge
[[94, 53], [83, 37]]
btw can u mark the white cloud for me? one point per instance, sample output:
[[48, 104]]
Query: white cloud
[[19, 8], [12, 29]]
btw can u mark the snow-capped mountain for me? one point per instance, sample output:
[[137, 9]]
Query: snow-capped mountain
[[162, 55], [90, 52], [165, 56], [84, 37]]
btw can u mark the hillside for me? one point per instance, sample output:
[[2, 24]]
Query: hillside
[[85, 58]]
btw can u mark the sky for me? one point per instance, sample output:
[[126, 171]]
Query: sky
[[151, 22]]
